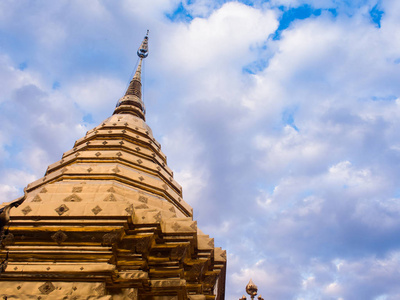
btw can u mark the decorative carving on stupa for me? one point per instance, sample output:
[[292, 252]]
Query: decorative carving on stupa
[[108, 221]]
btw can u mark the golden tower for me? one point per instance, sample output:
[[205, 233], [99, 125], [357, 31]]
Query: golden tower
[[108, 221]]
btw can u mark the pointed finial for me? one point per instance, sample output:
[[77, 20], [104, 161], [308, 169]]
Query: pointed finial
[[251, 289], [132, 102]]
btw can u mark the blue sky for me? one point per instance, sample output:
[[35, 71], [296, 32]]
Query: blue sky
[[279, 118]]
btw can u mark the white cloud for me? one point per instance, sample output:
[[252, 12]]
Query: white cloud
[[148, 9], [11, 78], [201, 8], [222, 40], [96, 95], [8, 193], [272, 282], [189, 172], [15, 180]]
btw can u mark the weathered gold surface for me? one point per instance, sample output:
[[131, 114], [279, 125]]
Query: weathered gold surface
[[108, 221]]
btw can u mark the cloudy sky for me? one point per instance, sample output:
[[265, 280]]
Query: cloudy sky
[[280, 119]]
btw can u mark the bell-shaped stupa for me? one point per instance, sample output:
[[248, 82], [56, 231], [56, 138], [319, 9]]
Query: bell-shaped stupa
[[108, 221]]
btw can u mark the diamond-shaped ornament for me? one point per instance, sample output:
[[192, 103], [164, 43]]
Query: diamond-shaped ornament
[[47, 288], [37, 199], [59, 237], [96, 209], [73, 198], [176, 226], [26, 210], [62, 209]]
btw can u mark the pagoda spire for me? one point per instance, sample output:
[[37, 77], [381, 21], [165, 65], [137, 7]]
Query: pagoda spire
[[131, 102]]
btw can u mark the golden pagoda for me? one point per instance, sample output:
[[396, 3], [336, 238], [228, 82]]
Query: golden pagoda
[[108, 221]]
